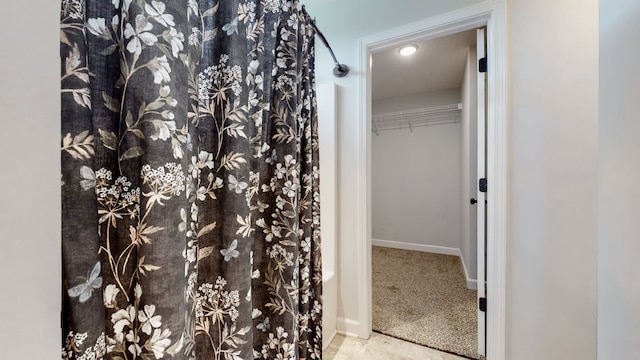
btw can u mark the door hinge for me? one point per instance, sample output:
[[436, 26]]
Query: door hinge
[[482, 304], [482, 65], [483, 185]]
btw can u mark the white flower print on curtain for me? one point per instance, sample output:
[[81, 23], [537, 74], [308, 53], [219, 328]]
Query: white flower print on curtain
[[190, 181]]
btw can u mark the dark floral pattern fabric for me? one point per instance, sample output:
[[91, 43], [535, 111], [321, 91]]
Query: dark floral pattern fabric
[[190, 181]]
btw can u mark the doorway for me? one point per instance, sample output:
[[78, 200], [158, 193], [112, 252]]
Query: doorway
[[424, 114], [491, 15]]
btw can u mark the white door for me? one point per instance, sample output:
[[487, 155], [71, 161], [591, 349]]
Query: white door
[[482, 207]]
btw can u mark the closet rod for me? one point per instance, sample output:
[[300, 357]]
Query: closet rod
[[341, 70], [376, 130], [418, 114]]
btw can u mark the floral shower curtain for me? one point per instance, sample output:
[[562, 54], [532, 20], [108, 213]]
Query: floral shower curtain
[[189, 180]]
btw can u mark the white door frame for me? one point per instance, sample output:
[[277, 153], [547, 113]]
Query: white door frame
[[481, 160], [492, 14]]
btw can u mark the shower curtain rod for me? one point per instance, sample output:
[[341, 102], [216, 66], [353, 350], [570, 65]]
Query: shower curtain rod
[[341, 70]]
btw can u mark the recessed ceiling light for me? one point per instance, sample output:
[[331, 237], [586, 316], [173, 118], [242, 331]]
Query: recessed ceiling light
[[408, 50]]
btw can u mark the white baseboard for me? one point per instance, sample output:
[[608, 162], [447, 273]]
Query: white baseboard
[[329, 307], [348, 327], [416, 247], [472, 284], [326, 342]]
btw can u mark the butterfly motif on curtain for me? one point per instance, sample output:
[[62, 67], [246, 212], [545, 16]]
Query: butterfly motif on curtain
[[263, 326], [231, 252], [84, 290], [88, 178], [273, 158], [231, 27], [237, 186]]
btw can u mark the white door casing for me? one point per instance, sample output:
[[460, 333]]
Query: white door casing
[[481, 174], [492, 14]]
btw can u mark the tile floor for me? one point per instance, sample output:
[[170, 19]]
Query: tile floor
[[381, 347]]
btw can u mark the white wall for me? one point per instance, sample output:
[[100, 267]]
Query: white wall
[[553, 54], [468, 170], [30, 179], [415, 194], [619, 192]]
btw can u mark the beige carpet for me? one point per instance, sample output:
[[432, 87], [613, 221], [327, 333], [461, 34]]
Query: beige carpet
[[423, 298]]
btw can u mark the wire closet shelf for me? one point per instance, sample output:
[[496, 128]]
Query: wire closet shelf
[[410, 119]]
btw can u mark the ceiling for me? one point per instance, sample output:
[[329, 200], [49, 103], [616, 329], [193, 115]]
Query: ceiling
[[437, 65]]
